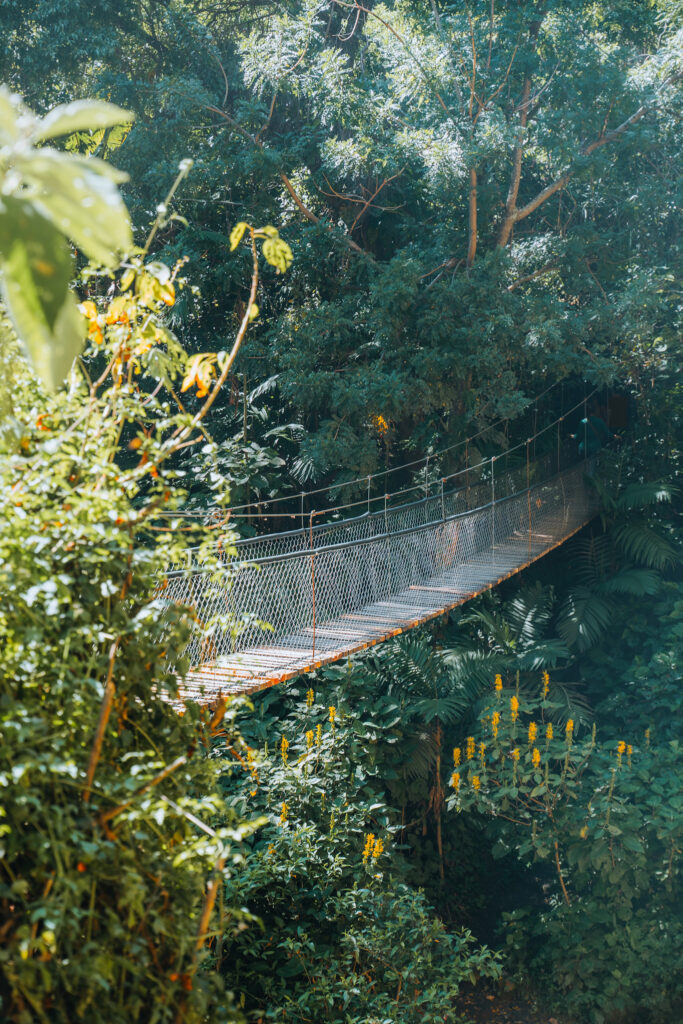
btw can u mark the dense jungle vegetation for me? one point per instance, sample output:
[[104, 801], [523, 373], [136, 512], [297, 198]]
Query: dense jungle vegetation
[[255, 247]]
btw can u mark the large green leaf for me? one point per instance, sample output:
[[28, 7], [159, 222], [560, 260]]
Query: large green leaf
[[35, 271], [9, 116], [81, 115], [80, 197]]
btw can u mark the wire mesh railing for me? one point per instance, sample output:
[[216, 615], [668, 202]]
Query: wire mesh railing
[[280, 604]]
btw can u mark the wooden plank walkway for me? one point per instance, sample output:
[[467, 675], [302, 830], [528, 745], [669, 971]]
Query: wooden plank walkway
[[263, 665]]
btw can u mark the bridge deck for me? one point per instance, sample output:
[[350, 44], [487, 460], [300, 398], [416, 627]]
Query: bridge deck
[[433, 568]]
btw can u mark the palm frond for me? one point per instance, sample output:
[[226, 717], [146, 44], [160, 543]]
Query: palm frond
[[646, 546], [543, 655], [637, 582], [583, 618], [642, 495]]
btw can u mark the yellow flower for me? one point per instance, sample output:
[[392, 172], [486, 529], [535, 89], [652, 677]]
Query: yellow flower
[[584, 832], [514, 708], [549, 732], [546, 685], [536, 757], [482, 753], [333, 715], [455, 781], [284, 812], [284, 747], [310, 735], [369, 847], [498, 683], [470, 747], [310, 697], [494, 723], [647, 737], [533, 730], [476, 782], [515, 754], [456, 755], [621, 750], [569, 728], [380, 424], [318, 734], [378, 848], [629, 751]]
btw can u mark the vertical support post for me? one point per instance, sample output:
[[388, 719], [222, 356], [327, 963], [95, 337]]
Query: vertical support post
[[388, 544], [369, 479], [528, 495], [493, 509], [535, 426], [310, 535], [467, 471], [302, 511], [559, 427], [443, 506]]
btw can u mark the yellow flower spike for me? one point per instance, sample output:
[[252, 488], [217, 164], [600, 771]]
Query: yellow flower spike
[[498, 683], [456, 756], [378, 848], [369, 847], [536, 758], [470, 748], [584, 832], [455, 781], [514, 708], [647, 737], [318, 734], [333, 715], [310, 736], [546, 685], [515, 754], [482, 754], [569, 728], [284, 812], [310, 698], [629, 751], [495, 721], [476, 783], [549, 732], [533, 730], [284, 747], [621, 750]]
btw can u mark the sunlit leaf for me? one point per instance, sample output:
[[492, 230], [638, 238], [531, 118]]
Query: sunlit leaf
[[80, 116]]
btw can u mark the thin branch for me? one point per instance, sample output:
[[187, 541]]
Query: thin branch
[[472, 225], [374, 196], [163, 774], [105, 712], [529, 277]]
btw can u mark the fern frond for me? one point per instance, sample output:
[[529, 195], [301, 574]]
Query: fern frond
[[636, 582], [646, 546], [583, 618]]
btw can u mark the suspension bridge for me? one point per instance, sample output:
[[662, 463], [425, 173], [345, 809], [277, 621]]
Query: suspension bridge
[[282, 604]]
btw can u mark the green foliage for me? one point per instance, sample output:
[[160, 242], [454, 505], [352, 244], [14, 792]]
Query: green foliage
[[601, 821], [360, 133], [47, 197], [343, 937]]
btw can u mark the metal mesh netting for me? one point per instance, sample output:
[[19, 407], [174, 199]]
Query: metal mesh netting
[[287, 602]]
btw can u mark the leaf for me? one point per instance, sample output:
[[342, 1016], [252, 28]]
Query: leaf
[[9, 117], [80, 197], [237, 234], [36, 269], [277, 253], [81, 115]]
